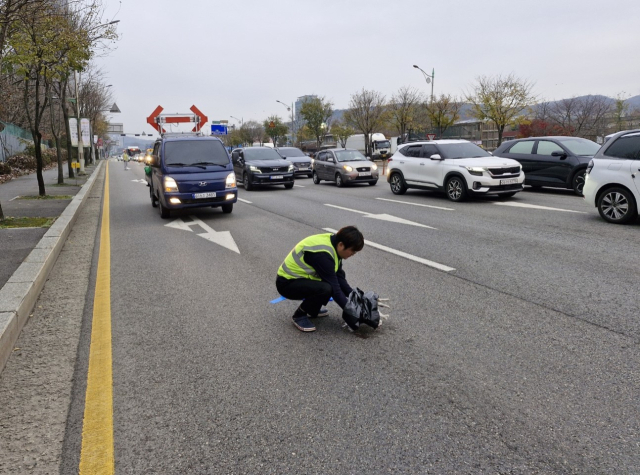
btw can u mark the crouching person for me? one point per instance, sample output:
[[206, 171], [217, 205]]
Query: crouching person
[[312, 272]]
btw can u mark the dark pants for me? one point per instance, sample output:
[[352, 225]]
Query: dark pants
[[315, 293]]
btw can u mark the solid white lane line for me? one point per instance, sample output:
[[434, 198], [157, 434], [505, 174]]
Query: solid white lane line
[[299, 186], [524, 205], [416, 204], [411, 257], [245, 201], [14, 198], [346, 209]]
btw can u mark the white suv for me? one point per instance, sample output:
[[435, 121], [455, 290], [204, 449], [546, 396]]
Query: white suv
[[457, 167], [613, 178]]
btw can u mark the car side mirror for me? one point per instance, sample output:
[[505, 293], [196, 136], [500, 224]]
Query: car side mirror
[[330, 159], [153, 161], [436, 156], [562, 155]]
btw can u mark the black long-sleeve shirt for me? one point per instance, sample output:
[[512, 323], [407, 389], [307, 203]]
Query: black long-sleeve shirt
[[324, 266]]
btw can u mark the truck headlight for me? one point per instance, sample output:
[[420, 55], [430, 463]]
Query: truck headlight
[[348, 168], [477, 171], [231, 180], [254, 169], [170, 184]]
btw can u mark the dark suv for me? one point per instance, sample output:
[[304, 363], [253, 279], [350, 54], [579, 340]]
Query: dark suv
[[191, 171], [558, 162], [258, 166]]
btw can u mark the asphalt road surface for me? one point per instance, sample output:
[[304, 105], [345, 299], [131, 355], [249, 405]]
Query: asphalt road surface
[[511, 346]]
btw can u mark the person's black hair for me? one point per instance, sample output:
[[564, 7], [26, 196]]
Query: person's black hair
[[351, 238]]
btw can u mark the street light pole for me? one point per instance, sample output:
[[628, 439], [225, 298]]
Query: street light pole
[[428, 78], [80, 144], [293, 142]]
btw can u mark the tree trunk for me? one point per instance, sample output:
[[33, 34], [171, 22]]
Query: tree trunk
[[60, 166], [1, 213], [37, 139], [500, 132], [65, 114]]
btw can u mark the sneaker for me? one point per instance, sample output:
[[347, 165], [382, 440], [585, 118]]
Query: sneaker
[[303, 323], [322, 313]]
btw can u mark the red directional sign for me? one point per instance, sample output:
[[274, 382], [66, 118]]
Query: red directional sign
[[156, 119]]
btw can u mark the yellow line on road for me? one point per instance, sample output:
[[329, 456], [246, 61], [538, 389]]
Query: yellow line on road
[[97, 456]]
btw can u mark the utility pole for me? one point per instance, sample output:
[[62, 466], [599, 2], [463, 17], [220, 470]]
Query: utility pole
[[80, 144]]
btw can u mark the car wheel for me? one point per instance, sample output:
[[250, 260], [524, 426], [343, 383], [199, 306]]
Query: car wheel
[[154, 200], [578, 182], [315, 177], [246, 182], [616, 205], [456, 189], [339, 181], [373, 183], [228, 208], [288, 186], [165, 213], [398, 186]]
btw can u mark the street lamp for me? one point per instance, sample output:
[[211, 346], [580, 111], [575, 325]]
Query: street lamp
[[239, 120], [292, 130], [428, 78]]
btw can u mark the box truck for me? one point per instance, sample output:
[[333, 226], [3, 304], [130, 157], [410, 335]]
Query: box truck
[[380, 146]]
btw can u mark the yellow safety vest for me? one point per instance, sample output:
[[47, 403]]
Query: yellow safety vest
[[294, 266]]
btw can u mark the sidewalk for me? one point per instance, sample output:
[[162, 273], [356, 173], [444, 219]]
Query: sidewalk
[[28, 254]]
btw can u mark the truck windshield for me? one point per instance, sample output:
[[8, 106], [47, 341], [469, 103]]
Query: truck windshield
[[383, 144], [188, 152]]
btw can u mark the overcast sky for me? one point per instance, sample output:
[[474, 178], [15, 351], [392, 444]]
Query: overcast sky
[[237, 57]]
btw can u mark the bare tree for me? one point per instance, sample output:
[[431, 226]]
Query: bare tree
[[253, 132], [500, 99], [444, 112], [403, 109], [584, 116], [341, 132], [367, 113]]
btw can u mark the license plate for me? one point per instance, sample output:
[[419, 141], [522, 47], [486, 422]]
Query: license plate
[[303, 168], [509, 181], [364, 174], [277, 177], [203, 195]]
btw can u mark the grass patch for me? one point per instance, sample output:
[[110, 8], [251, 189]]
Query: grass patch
[[46, 197], [10, 222]]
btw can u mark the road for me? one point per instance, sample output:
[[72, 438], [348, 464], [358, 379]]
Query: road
[[511, 346]]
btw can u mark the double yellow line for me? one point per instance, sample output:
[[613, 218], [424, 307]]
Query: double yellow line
[[97, 456]]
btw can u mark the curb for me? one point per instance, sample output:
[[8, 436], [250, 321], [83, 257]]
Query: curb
[[19, 295]]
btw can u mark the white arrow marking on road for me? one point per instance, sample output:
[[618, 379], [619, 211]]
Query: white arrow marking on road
[[139, 181], [416, 204], [179, 224], [411, 257], [383, 217], [223, 238], [524, 205], [299, 186]]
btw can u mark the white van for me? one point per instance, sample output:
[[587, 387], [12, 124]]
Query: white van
[[380, 146]]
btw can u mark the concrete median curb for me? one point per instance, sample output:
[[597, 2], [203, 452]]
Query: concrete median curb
[[19, 295]]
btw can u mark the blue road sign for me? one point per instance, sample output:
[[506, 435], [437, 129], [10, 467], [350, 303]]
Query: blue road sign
[[219, 129]]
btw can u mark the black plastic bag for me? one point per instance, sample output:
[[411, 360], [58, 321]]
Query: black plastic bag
[[362, 307]]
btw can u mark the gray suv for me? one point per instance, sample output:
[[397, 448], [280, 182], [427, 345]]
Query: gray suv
[[257, 166]]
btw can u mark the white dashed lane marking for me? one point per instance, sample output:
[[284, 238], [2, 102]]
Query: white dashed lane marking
[[411, 257], [546, 208], [416, 204]]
